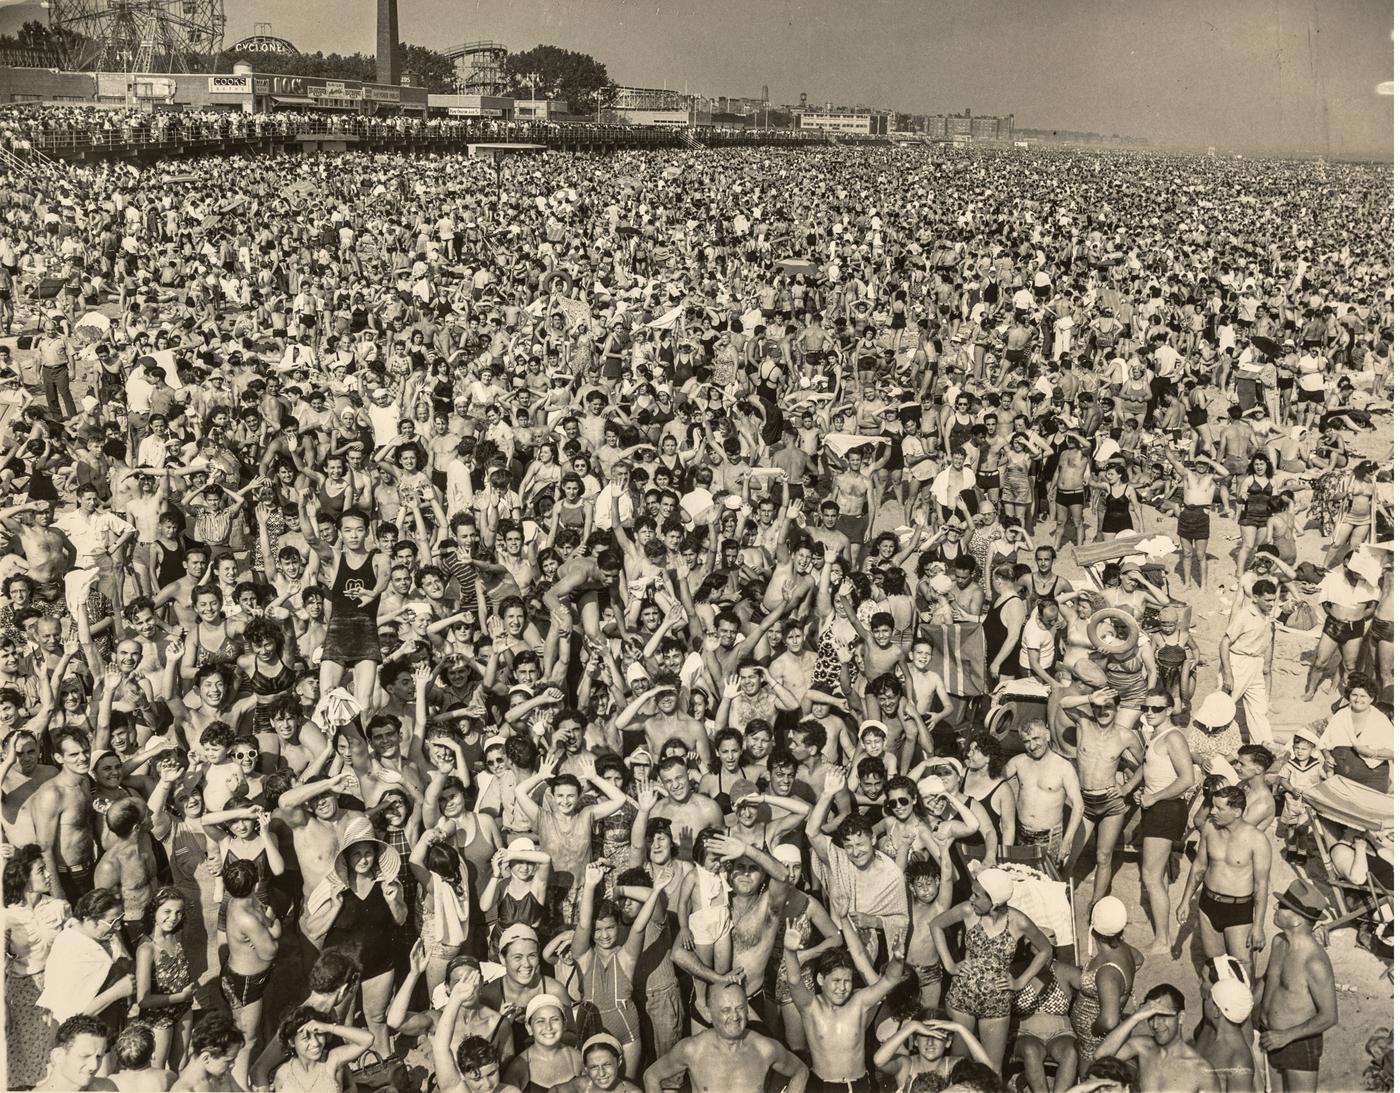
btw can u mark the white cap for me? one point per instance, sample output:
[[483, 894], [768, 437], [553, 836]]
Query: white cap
[[1109, 916], [542, 1002], [787, 854]]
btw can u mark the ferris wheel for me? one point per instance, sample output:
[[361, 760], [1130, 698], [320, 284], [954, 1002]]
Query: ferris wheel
[[139, 35]]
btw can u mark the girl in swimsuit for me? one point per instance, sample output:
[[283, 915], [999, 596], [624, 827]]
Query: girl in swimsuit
[[214, 639], [607, 961], [547, 1062]]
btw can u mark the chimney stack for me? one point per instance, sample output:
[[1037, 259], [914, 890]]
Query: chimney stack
[[386, 54]]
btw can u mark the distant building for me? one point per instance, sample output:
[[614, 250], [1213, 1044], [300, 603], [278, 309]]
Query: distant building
[[853, 123], [969, 128]]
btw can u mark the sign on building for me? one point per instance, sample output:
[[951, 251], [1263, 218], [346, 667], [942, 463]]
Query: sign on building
[[230, 85]]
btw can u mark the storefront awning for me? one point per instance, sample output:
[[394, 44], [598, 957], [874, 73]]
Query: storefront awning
[[293, 100]]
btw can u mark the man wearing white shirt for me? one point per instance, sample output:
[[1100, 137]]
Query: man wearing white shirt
[[617, 487], [96, 536]]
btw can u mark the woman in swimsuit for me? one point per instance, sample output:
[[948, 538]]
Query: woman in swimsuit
[[1357, 524], [1119, 509], [1104, 988], [983, 783], [1255, 498], [308, 1064], [980, 997], [1078, 608], [265, 669]]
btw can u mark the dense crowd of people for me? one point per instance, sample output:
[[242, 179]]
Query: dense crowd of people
[[25, 128], [557, 634]]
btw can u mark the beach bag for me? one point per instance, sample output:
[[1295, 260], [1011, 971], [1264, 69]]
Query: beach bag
[[376, 1073]]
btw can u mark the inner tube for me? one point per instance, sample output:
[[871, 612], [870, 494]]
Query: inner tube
[[551, 282], [1105, 646]]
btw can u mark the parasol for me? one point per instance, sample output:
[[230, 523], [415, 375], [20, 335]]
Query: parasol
[[1266, 345]]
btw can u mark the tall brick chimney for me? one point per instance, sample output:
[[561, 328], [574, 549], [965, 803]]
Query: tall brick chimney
[[386, 53]]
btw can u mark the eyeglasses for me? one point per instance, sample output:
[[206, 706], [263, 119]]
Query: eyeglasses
[[245, 755], [1156, 709], [496, 760], [897, 802]]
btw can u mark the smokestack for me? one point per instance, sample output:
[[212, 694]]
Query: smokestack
[[386, 53]]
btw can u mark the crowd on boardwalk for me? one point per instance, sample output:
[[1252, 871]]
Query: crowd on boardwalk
[[657, 619]]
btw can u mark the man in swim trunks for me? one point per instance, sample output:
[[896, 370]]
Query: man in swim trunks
[[1299, 1002], [1104, 746], [1233, 865], [1044, 783], [253, 931]]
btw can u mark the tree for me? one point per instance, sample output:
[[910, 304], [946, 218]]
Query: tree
[[427, 68], [36, 44], [424, 67], [558, 73]]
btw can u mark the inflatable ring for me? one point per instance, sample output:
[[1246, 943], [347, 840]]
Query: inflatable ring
[[1112, 648], [998, 721], [550, 280]]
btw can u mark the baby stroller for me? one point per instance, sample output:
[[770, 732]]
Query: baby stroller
[[1345, 815]]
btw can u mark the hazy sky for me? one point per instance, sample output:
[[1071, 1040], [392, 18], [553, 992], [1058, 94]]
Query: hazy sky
[[1286, 76]]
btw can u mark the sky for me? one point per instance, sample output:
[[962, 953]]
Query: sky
[[1286, 77]]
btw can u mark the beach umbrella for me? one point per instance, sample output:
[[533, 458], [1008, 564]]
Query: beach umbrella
[[1267, 346]]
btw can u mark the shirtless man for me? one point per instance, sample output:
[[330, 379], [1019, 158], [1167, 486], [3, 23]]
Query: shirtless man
[[1234, 863], [179, 594], [1044, 783], [129, 866], [688, 811], [792, 581], [856, 500], [833, 540], [592, 582], [48, 554], [835, 1018], [968, 598], [1198, 485], [63, 816], [21, 776], [1251, 763], [214, 1045], [758, 889], [317, 822], [79, 1050], [1103, 746], [727, 1058], [1299, 996], [1152, 1038], [1234, 449], [252, 931], [670, 720]]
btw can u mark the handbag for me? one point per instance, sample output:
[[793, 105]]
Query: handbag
[[378, 1073]]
